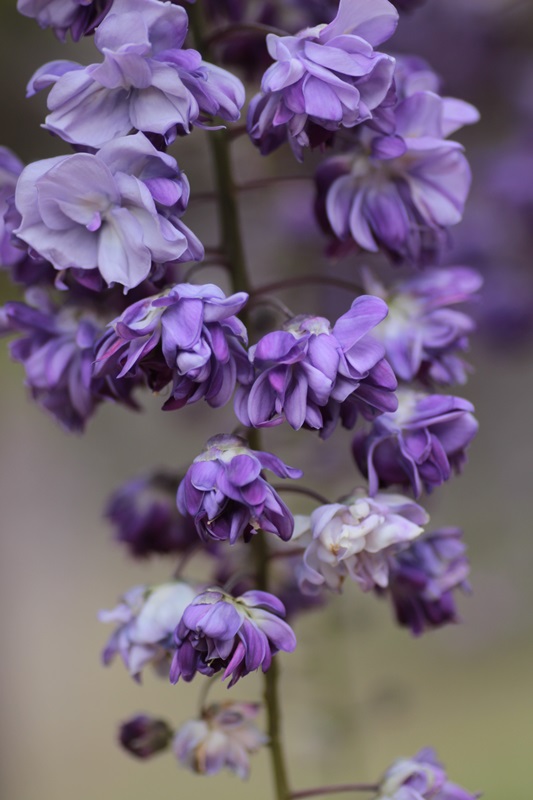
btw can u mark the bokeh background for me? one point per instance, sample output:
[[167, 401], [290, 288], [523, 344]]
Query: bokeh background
[[358, 692]]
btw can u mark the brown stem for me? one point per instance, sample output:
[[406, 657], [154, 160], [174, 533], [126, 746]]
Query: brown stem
[[281, 487], [325, 790], [262, 183], [209, 262], [275, 302], [242, 27], [292, 283]]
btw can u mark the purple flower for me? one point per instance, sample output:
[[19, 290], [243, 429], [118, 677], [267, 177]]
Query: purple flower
[[80, 17], [422, 335], [417, 445], [144, 737], [235, 634], [423, 577], [57, 351], [356, 538], [146, 619], [144, 514], [309, 364], [227, 495], [117, 211], [283, 572], [324, 78], [420, 778], [247, 49], [188, 335], [401, 190], [224, 736], [146, 81], [24, 266], [10, 169]]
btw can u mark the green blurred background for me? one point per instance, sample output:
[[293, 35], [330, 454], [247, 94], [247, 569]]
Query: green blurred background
[[358, 692]]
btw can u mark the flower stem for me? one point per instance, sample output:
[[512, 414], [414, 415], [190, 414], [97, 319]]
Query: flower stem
[[307, 280], [230, 226], [343, 788], [252, 28], [281, 487], [233, 250]]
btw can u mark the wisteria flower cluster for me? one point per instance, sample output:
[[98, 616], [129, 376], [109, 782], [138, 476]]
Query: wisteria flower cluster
[[113, 307]]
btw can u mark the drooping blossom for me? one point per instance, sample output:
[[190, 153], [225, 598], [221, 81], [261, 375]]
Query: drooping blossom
[[310, 365], [225, 492], [356, 538], [423, 337], [146, 81], [419, 445], [283, 572], [143, 736], [116, 211], [246, 50], [420, 778], [56, 348], [10, 169], [399, 190], [224, 737], [235, 634], [146, 619], [80, 17], [324, 78], [424, 577], [188, 335], [144, 514]]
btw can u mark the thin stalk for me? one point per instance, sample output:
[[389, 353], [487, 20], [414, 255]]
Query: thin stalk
[[206, 688], [233, 250], [209, 262], [273, 302], [242, 27], [274, 180], [292, 283], [230, 227], [325, 790], [281, 487]]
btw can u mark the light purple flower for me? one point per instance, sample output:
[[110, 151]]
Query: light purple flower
[[80, 17], [117, 211], [189, 335], [146, 81], [399, 191], [413, 75], [324, 78], [227, 495], [144, 514], [144, 736], [310, 364], [146, 619], [224, 737], [10, 169], [355, 539], [235, 634], [422, 335], [423, 578], [420, 778], [419, 445], [57, 349], [283, 571]]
